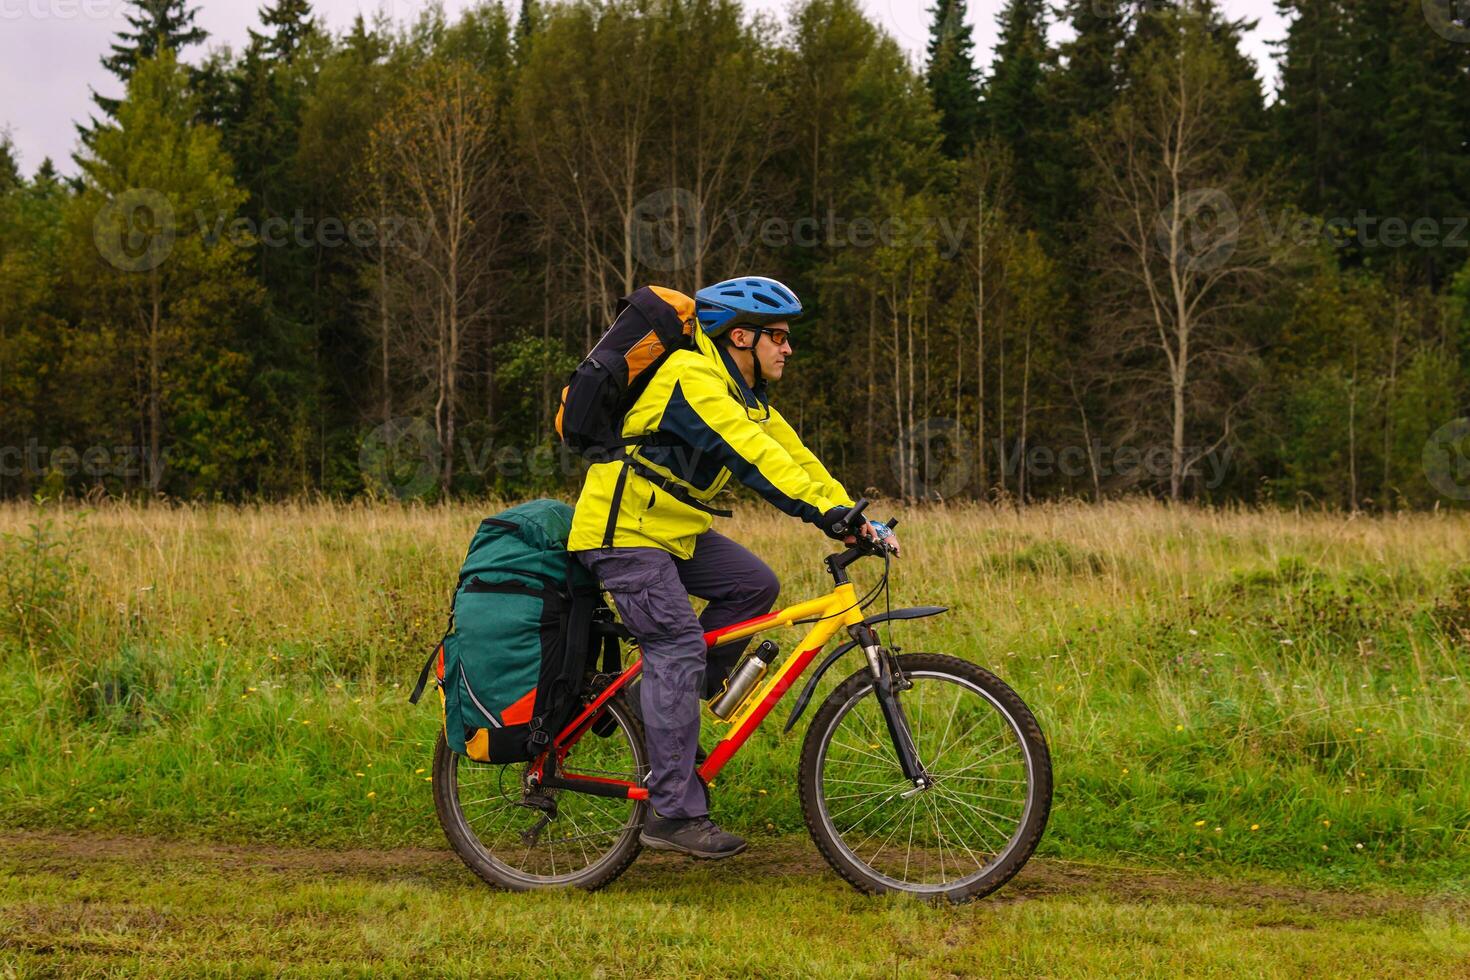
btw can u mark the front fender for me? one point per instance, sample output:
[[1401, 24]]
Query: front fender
[[913, 612]]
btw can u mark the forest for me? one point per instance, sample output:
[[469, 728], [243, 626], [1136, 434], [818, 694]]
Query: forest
[[1122, 263]]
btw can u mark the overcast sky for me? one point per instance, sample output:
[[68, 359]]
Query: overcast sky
[[49, 50]]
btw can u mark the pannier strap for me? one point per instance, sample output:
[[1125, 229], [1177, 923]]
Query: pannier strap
[[418, 689]]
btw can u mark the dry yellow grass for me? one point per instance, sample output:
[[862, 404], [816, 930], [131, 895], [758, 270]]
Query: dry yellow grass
[[1303, 674]]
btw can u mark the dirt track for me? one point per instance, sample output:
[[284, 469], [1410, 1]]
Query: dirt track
[[71, 856]]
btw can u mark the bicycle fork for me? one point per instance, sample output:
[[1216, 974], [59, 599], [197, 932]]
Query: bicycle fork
[[887, 688]]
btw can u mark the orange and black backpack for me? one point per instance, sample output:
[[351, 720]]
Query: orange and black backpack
[[650, 324]]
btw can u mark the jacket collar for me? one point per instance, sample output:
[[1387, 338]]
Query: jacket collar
[[757, 398]]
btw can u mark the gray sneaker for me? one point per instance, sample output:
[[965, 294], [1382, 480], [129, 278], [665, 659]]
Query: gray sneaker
[[696, 836]]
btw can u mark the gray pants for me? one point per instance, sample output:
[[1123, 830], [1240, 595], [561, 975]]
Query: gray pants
[[651, 589]]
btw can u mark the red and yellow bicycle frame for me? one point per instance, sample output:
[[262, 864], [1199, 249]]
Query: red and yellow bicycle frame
[[833, 612]]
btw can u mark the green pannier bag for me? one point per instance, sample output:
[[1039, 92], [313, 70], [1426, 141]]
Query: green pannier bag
[[511, 667]]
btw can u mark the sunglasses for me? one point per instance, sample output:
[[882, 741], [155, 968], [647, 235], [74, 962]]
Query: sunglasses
[[778, 337]]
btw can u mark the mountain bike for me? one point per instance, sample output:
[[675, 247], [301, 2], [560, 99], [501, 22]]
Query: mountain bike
[[920, 773]]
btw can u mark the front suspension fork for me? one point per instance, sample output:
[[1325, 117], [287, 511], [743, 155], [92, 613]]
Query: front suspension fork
[[886, 686]]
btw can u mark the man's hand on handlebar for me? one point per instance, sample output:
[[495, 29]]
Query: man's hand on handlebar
[[846, 524]]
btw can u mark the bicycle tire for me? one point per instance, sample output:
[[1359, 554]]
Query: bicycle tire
[[499, 874], [1019, 719]]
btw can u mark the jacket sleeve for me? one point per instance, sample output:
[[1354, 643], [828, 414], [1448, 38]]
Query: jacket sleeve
[[783, 433], [701, 413]]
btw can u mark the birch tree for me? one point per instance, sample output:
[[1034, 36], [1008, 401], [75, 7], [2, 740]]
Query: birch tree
[[444, 174], [1179, 236]]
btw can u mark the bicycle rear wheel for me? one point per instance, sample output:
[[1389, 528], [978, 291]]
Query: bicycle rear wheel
[[522, 839], [989, 796]]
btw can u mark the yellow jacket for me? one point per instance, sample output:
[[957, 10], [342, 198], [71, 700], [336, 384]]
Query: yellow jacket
[[705, 424]]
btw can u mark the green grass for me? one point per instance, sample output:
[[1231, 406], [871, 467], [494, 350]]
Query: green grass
[[86, 906], [1222, 690]]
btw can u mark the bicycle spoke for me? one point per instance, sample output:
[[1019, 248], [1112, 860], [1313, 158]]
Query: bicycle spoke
[[862, 782], [977, 762], [960, 838], [960, 738], [909, 850], [854, 748], [983, 779], [978, 812]]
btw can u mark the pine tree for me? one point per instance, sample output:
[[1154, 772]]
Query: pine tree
[[9, 168], [1316, 125], [527, 25], [156, 24], [1421, 177], [952, 77], [1015, 109], [1088, 79], [291, 24]]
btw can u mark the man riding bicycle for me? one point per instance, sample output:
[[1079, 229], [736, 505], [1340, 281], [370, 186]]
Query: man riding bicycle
[[642, 526]]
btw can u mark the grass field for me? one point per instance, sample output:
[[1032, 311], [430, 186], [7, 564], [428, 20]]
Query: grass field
[[1225, 693], [78, 905]]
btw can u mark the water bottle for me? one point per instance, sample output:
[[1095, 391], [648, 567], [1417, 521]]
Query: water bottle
[[743, 681]]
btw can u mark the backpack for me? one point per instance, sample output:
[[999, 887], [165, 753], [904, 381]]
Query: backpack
[[650, 324], [511, 667]]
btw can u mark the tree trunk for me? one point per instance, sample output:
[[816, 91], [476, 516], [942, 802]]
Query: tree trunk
[[903, 454], [868, 447], [1021, 481], [155, 411], [980, 350], [385, 325]]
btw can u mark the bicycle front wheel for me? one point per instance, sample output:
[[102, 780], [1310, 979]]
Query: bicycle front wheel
[[523, 838], [989, 794]]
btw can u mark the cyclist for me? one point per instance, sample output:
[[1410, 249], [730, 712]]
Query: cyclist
[[642, 526]]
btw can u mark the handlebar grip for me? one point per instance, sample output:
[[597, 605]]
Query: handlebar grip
[[853, 519]]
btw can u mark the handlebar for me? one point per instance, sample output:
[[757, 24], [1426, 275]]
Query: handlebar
[[854, 519], [851, 525]]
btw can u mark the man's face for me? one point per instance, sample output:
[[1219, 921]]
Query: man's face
[[772, 355]]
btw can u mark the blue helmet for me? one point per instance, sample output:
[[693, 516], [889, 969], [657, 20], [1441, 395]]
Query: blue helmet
[[750, 302]]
